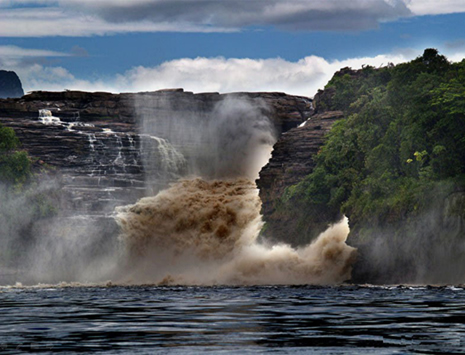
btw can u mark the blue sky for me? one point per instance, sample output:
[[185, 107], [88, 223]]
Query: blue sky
[[216, 45]]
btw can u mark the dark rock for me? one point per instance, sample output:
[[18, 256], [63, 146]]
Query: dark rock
[[287, 111], [323, 100], [292, 160], [10, 85]]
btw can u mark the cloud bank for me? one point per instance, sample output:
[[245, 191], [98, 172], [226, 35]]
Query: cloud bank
[[435, 7], [39, 18], [303, 77]]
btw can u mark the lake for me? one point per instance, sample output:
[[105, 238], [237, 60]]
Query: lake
[[280, 319]]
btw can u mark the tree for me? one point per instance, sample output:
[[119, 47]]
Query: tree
[[15, 165]]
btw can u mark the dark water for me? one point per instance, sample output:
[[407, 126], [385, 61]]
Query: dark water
[[322, 320]]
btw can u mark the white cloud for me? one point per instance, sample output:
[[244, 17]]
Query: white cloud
[[40, 77], [39, 18], [303, 77], [19, 58], [18, 52], [28, 63], [435, 7], [54, 21]]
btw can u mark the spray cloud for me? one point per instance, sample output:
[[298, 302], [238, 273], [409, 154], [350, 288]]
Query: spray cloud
[[205, 232], [203, 229], [201, 223]]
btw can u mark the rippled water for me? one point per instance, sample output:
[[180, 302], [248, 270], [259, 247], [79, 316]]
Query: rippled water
[[148, 319]]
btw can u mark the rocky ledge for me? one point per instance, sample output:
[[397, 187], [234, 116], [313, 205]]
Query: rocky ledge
[[287, 111], [293, 158]]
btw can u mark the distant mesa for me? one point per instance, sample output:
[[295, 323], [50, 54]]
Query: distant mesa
[[10, 85]]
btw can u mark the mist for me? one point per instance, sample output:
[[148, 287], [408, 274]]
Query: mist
[[427, 249], [199, 222], [234, 138], [37, 248], [203, 229]]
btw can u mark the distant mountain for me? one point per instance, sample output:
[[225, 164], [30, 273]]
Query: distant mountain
[[10, 85]]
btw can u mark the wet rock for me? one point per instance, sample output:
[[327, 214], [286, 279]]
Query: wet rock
[[287, 111]]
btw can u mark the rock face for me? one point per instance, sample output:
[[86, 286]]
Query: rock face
[[10, 85], [293, 158], [99, 168], [287, 111], [96, 142]]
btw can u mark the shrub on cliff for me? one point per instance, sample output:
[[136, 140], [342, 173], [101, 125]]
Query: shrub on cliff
[[15, 165], [23, 199]]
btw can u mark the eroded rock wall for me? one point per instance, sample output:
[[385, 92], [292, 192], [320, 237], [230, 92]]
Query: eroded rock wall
[[293, 158]]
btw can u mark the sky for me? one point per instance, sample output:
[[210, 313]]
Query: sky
[[291, 46]]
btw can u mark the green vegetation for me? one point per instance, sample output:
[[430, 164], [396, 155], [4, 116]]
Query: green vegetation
[[399, 152], [15, 165], [23, 199]]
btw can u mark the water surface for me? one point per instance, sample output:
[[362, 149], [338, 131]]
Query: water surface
[[300, 319]]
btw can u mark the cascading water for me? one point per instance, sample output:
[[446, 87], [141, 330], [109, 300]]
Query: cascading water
[[46, 117], [203, 229], [119, 160], [205, 233], [201, 220]]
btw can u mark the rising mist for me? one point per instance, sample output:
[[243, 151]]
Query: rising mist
[[200, 220]]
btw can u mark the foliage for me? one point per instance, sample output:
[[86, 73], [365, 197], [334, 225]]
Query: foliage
[[402, 142], [24, 199], [15, 165], [8, 139]]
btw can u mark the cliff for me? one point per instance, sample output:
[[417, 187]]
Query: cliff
[[97, 143], [294, 158], [286, 111], [394, 166], [10, 85]]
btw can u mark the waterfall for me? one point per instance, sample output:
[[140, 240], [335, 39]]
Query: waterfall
[[203, 228], [171, 159], [200, 232], [46, 117], [194, 212]]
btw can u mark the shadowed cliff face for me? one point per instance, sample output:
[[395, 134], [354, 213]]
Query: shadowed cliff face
[[292, 159], [10, 85]]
